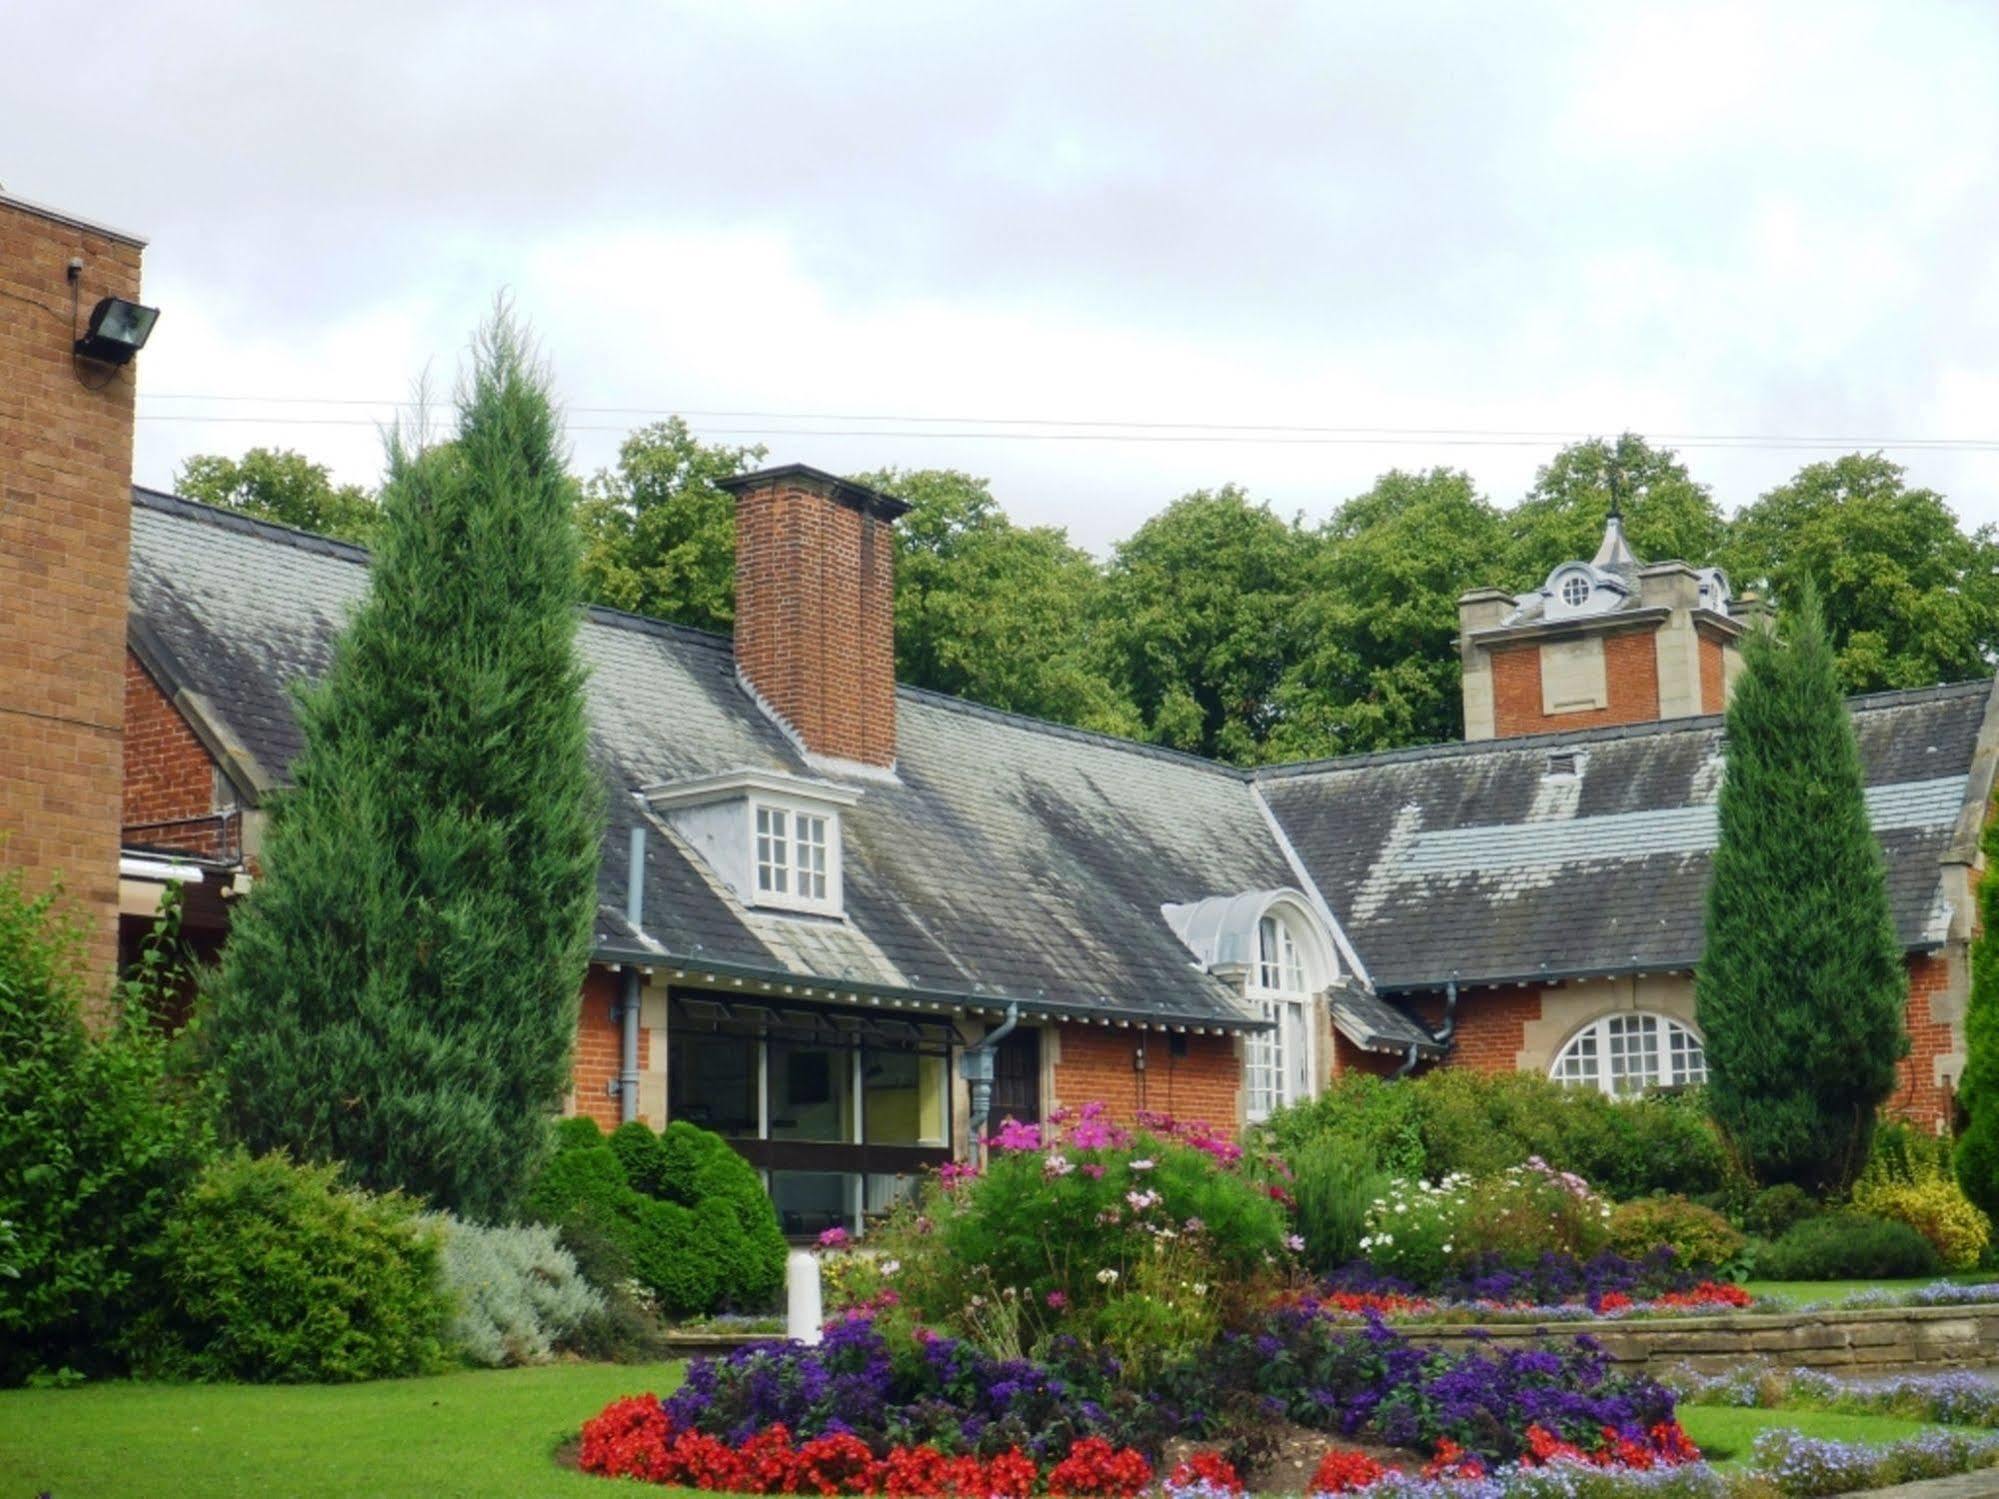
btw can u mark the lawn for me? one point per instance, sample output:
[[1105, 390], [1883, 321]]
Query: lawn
[[490, 1433], [485, 1434], [1796, 1291]]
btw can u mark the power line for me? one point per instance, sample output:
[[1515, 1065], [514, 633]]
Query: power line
[[1202, 433]]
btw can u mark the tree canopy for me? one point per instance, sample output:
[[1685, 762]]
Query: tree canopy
[[1666, 513], [1910, 598], [280, 485]]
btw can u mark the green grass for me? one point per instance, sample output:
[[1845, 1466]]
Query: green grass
[[491, 1433], [1727, 1433], [1796, 1291]]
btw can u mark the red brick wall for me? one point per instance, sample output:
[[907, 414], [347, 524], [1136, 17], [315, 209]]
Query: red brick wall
[[815, 615], [169, 773], [1348, 1057], [599, 1039], [1918, 1096], [1631, 684], [1714, 678], [65, 531], [1095, 1065]]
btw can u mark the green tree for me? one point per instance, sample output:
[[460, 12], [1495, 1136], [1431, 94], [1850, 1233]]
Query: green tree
[[280, 485], [1377, 620], [1800, 992], [1666, 514], [1977, 1156], [400, 990], [659, 534], [1196, 621], [991, 611], [1910, 599]]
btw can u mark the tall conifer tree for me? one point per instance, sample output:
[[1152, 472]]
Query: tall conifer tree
[[400, 990], [1801, 990], [1977, 1158]]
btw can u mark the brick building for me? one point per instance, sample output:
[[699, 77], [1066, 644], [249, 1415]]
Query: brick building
[[820, 893]]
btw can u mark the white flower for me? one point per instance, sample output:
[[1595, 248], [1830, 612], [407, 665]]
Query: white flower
[[1057, 1164], [1447, 1249], [1144, 1165], [1200, 1288], [1401, 1207], [889, 1267], [1106, 1276], [1295, 1243]]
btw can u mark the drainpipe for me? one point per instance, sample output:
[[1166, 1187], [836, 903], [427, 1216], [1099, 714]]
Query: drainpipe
[[628, 1059], [1444, 1034], [976, 1067]]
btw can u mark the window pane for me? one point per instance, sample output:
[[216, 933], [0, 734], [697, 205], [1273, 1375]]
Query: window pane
[[810, 1202], [1577, 1065], [1686, 1057], [1634, 1052], [1266, 953], [712, 1081], [905, 1095], [811, 1092]]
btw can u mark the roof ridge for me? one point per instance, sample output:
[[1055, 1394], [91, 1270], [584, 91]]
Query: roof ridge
[[1863, 702], [168, 503], [955, 704]]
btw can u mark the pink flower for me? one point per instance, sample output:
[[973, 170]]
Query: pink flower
[[1057, 1300], [833, 1238], [1093, 1171]]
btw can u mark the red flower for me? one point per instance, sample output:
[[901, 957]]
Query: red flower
[[837, 1464], [1094, 1467], [1344, 1471], [1613, 1301], [1209, 1468], [627, 1439], [1452, 1461], [1708, 1293], [1011, 1475]]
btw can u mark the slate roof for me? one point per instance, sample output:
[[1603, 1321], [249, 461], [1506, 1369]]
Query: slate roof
[[1473, 861], [1015, 860]]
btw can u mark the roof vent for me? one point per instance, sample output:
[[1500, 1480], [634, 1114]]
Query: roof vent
[[1565, 762]]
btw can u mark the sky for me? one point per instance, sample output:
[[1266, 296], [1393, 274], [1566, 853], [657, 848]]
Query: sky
[[1101, 254]]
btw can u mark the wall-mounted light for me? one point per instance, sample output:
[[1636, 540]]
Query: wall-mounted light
[[118, 330]]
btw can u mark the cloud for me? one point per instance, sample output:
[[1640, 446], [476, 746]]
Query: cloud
[[1556, 219]]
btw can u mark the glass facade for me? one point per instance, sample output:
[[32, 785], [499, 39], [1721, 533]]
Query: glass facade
[[839, 1109]]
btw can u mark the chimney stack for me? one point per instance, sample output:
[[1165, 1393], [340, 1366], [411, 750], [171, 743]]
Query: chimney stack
[[815, 609]]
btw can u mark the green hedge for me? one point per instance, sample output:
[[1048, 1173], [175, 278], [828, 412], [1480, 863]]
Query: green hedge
[[1848, 1246], [687, 1213], [1455, 1119]]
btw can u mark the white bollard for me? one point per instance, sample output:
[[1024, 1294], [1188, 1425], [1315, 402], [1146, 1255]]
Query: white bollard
[[803, 1307]]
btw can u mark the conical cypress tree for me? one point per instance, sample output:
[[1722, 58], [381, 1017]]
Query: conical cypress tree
[[1977, 1157], [1801, 991], [400, 990]]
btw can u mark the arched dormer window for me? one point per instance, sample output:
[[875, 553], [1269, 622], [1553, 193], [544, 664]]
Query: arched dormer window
[[1630, 1052], [1288, 972]]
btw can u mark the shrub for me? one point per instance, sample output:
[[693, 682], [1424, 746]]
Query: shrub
[[517, 1294], [1847, 1246], [1333, 1187], [96, 1140], [1772, 1211], [1456, 1120], [1900, 1152], [709, 1240], [1935, 1208], [578, 1132], [628, 1329], [275, 1271], [1699, 1237]]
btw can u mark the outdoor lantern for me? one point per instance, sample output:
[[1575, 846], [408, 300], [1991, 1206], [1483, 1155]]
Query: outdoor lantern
[[118, 330]]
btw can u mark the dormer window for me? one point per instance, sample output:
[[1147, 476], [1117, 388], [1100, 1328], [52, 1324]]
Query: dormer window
[[791, 856], [773, 839], [1575, 590]]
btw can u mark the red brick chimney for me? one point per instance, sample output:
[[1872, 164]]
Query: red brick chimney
[[65, 532], [815, 608]]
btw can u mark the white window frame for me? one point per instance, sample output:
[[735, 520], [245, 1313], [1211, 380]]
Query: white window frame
[[1667, 1053], [779, 855], [1279, 989]]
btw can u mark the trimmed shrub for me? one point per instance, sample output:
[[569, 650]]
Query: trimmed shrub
[[1772, 1211], [703, 1238], [1333, 1187], [276, 1271], [578, 1132], [1935, 1208], [1848, 1246], [1699, 1237], [96, 1141], [517, 1293]]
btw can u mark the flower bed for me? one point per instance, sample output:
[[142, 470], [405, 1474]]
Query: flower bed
[[1555, 1287], [1951, 1399]]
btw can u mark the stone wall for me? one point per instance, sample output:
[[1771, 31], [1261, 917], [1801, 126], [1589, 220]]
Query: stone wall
[[1866, 1341]]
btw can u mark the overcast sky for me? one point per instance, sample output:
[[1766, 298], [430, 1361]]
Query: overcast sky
[[1533, 221]]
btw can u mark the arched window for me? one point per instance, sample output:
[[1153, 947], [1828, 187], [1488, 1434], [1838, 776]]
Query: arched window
[[1278, 1069], [1629, 1053], [1575, 589]]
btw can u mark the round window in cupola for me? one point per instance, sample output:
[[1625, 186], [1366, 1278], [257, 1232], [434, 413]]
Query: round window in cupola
[[1575, 589]]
